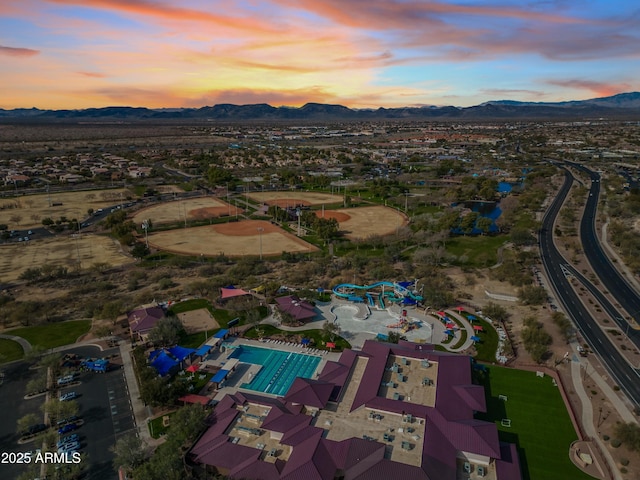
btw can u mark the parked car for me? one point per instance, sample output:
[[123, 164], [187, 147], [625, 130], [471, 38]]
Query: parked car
[[69, 447], [69, 427], [74, 437], [64, 421], [37, 428], [65, 380], [68, 396]]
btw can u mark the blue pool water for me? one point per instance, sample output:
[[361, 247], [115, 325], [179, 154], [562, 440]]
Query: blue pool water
[[279, 368]]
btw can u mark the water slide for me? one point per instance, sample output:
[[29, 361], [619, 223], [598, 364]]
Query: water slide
[[346, 290]]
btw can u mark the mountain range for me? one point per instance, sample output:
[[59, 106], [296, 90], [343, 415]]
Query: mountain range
[[623, 105]]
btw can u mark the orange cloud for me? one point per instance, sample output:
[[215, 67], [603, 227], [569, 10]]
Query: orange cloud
[[602, 89], [18, 52], [92, 74]]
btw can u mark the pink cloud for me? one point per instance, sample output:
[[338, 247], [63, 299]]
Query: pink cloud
[[92, 74], [601, 89], [172, 13], [18, 52], [389, 14]]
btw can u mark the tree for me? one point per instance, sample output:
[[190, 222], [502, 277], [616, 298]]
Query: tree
[[140, 250], [484, 224], [629, 434], [102, 331], [37, 384], [330, 330], [535, 339], [16, 218], [166, 332], [186, 424], [563, 324], [111, 310], [532, 295], [495, 312], [128, 452], [26, 421]]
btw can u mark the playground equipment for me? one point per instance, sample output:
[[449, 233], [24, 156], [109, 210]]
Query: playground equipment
[[402, 321], [379, 292], [404, 324]]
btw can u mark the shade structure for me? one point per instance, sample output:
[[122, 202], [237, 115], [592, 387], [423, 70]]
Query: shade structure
[[475, 339], [442, 314], [460, 309], [192, 368], [331, 345], [477, 328], [451, 325], [305, 341], [448, 332], [471, 318]]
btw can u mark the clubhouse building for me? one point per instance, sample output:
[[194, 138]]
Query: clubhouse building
[[400, 411]]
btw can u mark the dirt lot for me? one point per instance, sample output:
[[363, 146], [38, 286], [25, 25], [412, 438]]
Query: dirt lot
[[364, 222], [198, 321], [232, 239], [284, 199], [64, 251], [195, 209], [33, 208]]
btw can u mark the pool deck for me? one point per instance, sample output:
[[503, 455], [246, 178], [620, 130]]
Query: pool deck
[[246, 372]]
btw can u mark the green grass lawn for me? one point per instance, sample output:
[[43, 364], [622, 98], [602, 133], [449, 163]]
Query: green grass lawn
[[316, 335], [488, 344], [189, 305], [540, 424], [478, 251], [10, 351], [156, 426], [52, 335], [221, 315]]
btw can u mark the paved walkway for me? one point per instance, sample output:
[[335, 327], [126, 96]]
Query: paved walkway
[[26, 346], [140, 411], [578, 368]]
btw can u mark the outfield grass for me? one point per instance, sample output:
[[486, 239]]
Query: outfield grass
[[477, 252], [52, 335], [10, 350], [540, 424]]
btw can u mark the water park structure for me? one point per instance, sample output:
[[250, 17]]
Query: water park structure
[[379, 293]]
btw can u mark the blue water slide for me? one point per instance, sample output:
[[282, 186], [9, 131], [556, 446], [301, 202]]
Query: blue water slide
[[370, 298], [345, 290]]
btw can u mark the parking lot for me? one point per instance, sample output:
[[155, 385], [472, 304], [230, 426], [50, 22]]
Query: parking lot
[[104, 405]]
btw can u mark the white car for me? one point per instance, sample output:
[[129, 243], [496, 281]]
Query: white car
[[68, 396]]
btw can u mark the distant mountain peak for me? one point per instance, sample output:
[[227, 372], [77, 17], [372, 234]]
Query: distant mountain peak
[[622, 104]]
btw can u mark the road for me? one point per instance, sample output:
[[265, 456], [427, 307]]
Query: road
[[558, 270], [619, 288]]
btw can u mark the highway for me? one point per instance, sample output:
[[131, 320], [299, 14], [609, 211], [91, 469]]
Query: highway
[[558, 271], [617, 286]]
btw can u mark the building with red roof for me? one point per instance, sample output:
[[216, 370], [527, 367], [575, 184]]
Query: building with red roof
[[143, 319], [370, 415], [299, 310]]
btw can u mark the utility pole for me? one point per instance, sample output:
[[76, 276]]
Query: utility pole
[[260, 230]]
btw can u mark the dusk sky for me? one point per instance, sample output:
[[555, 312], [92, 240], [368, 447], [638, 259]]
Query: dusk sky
[[358, 53]]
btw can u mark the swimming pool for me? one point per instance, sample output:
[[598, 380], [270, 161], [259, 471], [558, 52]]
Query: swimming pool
[[279, 368]]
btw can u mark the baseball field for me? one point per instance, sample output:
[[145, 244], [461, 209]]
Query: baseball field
[[200, 208], [247, 237]]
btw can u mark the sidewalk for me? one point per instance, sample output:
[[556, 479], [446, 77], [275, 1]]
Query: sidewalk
[[140, 411], [577, 370]]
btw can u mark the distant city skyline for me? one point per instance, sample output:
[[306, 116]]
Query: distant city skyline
[[58, 54]]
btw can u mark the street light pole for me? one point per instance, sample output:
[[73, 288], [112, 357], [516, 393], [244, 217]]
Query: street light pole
[[260, 230]]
